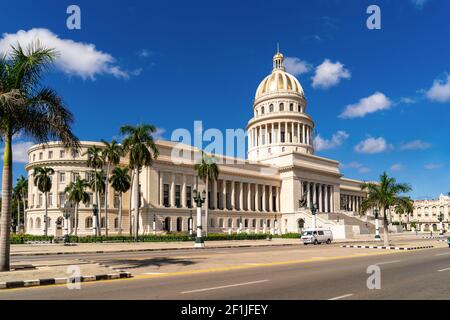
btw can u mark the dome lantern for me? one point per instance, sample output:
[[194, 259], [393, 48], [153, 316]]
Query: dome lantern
[[278, 60]]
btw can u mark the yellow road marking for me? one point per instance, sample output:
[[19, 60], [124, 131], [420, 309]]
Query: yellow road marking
[[229, 268]]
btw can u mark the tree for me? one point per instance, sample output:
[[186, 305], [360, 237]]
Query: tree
[[98, 186], [76, 193], [405, 206], [43, 180], [121, 182], [207, 170], [29, 109], [111, 156], [21, 191], [138, 142], [95, 161], [384, 194]]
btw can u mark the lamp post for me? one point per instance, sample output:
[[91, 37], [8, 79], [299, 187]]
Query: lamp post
[[377, 225], [441, 218], [199, 199], [66, 215], [314, 215], [190, 225], [240, 225], [154, 224], [94, 218]]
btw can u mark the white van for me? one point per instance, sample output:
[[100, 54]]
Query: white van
[[317, 236]]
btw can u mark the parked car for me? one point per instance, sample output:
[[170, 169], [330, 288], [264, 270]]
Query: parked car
[[317, 236]]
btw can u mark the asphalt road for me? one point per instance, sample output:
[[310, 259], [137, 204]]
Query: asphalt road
[[423, 274]]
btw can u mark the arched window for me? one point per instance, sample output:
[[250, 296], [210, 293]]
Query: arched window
[[271, 108], [167, 223], [246, 223], [116, 223], [261, 223], [268, 223], [221, 223], [180, 224], [281, 106], [88, 222], [211, 223], [254, 223], [30, 223], [103, 222], [291, 107], [262, 110], [38, 223], [230, 223]]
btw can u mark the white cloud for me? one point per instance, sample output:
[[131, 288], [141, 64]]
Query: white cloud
[[325, 144], [408, 100], [440, 91], [75, 58], [159, 134], [20, 151], [433, 166], [419, 4], [397, 167], [415, 145], [329, 74], [376, 102], [296, 66], [357, 166], [373, 145]]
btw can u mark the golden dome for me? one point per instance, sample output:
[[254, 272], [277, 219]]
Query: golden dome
[[279, 81]]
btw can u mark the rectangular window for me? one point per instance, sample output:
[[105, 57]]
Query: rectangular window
[[178, 196], [282, 136], [62, 177], [62, 154], [50, 200], [50, 154], [88, 203], [75, 176], [41, 155], [189, 196], [40, 200], [89, 176], [102, 200], [62, 198], [166, 195]]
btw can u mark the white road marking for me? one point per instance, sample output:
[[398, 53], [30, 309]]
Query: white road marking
[[155, 273], [444, 269], [223, 287], [443, 254], [342, 297], [387, 262]]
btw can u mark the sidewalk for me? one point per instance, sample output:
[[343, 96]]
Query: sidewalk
[[85, 248]]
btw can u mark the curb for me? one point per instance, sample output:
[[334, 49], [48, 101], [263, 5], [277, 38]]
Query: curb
[[388, 248], [51, 281]]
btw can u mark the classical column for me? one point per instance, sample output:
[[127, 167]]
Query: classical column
[[270, 198], [233, 195], [260, 143], [172, 190], [241, 196], [257, 197], [279, 132], [264, 198], [327, 199], [331, 198], [183, 192], [214, 195], [249, 197], [277, 190], [319, 198], [161, 192], [314, 191], [224, 194], [308, 188], [298, 132]]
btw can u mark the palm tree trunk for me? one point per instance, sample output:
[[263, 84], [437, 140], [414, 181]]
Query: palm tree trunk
[[106, 200], [206, 206], [386, 231], [120, 214], [98, 220], [76, 219], [5, 219], [25, 219], [136, 208], [46, 215], [18, 215], [131, 201]]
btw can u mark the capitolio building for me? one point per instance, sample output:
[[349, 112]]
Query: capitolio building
[[271, 191]]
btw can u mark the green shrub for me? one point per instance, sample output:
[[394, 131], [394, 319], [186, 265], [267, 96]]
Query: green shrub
[[292, 235], [23, 238]]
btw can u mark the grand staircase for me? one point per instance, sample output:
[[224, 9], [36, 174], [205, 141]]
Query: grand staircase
[[366, 227]]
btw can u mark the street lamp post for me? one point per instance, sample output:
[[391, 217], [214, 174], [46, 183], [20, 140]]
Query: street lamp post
[[94, 218], [377, 225], [66, 215], [441, 218], [199, 199], [154, 224], [190, 225], [314, 215]]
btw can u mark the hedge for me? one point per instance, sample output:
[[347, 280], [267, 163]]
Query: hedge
[[168, 238], [23, 238], [292, 235]]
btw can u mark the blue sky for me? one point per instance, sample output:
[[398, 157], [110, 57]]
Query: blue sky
[[384, 95]]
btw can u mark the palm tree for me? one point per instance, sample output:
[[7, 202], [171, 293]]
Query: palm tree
[[43, 180], [404, 206], [384, 194], [142, 150], [98, 186], [95, 161], [207, 170], [111, 156], [76, 193], [121, 182], [16, 199], [21, 189], [27, 108]]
